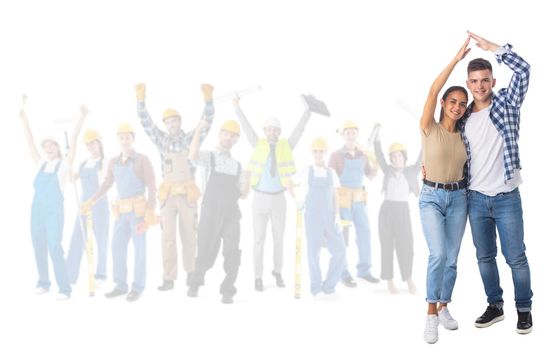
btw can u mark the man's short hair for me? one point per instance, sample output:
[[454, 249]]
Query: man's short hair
[[478, 64]]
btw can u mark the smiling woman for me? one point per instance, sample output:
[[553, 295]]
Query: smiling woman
[[47, 211]]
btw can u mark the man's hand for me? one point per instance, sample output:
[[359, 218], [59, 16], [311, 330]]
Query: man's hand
[[483, 43], [140, 92]]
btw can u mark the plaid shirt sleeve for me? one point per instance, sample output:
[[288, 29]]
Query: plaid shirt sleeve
[[505, 111], [153, 132], [515, 93], [208, 115]]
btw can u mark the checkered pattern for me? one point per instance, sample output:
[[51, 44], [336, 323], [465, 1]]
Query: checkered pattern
[[164, 141], [505, 111]]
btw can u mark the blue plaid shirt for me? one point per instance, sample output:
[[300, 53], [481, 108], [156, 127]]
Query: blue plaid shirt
[[166, 142], [505, 111]]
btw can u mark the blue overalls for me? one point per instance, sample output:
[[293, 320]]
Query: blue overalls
[[319, 225], [101, 221], [352, 177], [128, 185], [47, 225]]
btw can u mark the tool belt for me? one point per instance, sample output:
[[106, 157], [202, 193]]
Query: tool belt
[[346, 196], [127, 205], [188, 188]]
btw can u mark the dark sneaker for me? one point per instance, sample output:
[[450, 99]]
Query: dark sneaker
[[492, 315], [370, 278], [193, 291], [349, 282], [524, 322], [259, 285], [227, 299], [166, 285], [279, 280], [133, 296], [115, 293]]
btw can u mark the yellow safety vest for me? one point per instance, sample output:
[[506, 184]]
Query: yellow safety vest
[[284, 161]]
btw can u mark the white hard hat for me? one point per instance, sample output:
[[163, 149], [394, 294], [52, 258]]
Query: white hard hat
[[272, 122]]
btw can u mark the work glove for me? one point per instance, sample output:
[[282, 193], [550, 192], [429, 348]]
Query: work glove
[[140, 92], [207, 92], [150, 217], [87, 206]]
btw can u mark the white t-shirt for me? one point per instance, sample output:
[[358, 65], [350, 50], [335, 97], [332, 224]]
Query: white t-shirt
[[397, 188], [51, 167], [301, 179], [487, 156]]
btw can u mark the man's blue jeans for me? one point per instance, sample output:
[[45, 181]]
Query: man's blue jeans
[[502, 212]]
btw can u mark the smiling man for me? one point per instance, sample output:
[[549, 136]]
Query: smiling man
[[178, 193], [490, 129]]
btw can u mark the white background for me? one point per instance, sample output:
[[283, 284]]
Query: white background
[[357, 56]]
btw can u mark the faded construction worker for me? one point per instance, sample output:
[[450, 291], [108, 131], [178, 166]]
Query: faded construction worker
[[271, 167], [133, 174], [394, 219], [317, 195], [47, 210], [178, 193], [352, 166], [220, 215], [89, 173]]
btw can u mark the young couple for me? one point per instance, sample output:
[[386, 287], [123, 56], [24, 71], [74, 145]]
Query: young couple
[[472, 166]]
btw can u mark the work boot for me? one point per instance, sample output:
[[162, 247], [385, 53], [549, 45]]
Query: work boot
[[227, 299], [193, 291], [259, 285], [279, 280], [115, 293], [166, 285], [133, 296], [349, 282], [370, 278]]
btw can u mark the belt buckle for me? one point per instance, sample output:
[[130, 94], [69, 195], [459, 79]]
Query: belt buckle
[[449, 187]]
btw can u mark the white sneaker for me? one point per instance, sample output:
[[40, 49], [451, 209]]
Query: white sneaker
[[446, 320], [431, 329], [62, 297], [41, 290]]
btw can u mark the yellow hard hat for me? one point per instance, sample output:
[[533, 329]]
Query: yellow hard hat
[[349, 124], [90, 135], [319, 143], [169, 113], [231, 126], [397, 147], [125, 128]]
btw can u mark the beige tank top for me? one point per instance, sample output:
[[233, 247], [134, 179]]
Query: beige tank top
[[444, 154]]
